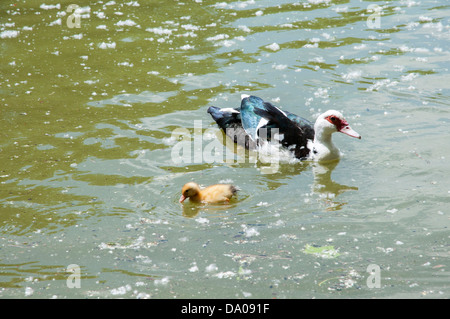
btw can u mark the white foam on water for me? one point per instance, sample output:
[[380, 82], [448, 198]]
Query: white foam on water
[[9, 34], [159, 31], [50, 6], [129, 23], [104, 45], [352, 75], [274, 46]]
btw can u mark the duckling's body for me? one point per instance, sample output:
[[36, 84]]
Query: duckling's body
[[212, 194]]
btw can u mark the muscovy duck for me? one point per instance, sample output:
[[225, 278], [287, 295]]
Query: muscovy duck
[[255, 121], [212, 194]]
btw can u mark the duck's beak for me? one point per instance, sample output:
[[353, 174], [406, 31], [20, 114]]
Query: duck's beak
[[349, 131], [182, 198]]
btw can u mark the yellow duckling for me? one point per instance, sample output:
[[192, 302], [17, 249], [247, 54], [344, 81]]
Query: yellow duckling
[[212, 194]]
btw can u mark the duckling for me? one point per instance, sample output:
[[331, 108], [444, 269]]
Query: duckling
[[212, 194]]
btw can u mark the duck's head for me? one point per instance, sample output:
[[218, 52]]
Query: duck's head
[[189, 190], [333, 121]]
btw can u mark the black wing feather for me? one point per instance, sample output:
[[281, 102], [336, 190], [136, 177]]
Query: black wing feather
[[294, 137]]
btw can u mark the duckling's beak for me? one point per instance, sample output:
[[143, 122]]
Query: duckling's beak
[[182, 198]]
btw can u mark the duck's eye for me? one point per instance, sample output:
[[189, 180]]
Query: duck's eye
[[333, 118]]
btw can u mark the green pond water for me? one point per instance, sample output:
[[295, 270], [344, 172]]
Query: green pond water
[[95, 101]]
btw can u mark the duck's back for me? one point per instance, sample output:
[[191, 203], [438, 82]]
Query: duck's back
[[229, 120], [256, 119], [217, 193]]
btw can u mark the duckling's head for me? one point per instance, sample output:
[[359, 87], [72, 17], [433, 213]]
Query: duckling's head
[[189, 190]]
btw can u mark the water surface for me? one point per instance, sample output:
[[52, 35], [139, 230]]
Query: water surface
[[88, 176]]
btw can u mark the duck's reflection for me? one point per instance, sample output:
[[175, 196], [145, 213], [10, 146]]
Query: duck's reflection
[[327, 189]]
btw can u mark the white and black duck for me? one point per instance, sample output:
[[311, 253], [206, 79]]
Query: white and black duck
[[255, 121]]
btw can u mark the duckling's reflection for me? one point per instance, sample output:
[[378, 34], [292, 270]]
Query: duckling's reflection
[[192, 209], [326, 187]]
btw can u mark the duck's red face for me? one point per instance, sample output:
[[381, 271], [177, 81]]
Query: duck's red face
[[342, 126]]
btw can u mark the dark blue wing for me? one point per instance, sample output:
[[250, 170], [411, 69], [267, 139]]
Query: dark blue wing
[[229, 120], [303, 123], [244, 125], [251, 120]]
